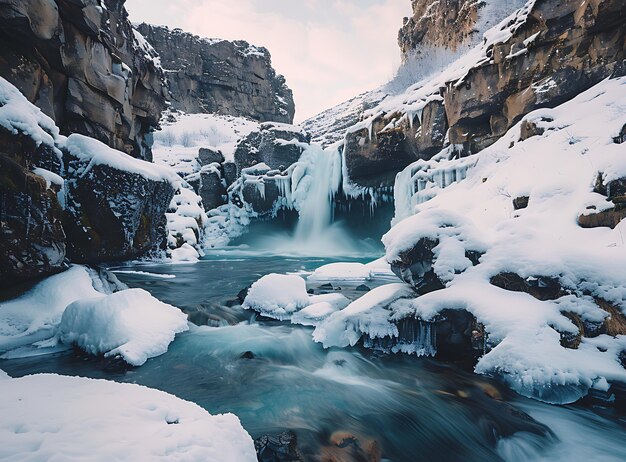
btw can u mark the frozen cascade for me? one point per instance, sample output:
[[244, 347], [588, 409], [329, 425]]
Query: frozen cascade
[[316, 211], [414, 337]]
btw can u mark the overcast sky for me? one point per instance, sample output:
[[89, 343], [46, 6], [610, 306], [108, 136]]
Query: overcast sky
[[329, 50]]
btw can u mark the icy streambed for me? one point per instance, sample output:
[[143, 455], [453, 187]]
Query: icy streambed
[[341, 403]]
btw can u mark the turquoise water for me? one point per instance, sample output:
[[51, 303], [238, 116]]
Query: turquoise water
[[275, 378]]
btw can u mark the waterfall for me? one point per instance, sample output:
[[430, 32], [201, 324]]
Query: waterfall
[[316, 209]]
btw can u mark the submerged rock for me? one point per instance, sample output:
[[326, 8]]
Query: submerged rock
[[278, 448]]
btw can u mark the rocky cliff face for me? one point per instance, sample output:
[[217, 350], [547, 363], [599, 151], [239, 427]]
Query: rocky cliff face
[[218, 76], [450, 24], [542, 56], [81, 62]]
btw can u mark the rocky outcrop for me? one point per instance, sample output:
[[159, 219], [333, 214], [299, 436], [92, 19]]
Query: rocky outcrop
[[112, 213], [32, 239], [276, 145], [445, 23], [71, 199], [547, 54], [218, 76], [82, 63]]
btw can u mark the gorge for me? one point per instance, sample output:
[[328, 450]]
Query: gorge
[[432, 270]]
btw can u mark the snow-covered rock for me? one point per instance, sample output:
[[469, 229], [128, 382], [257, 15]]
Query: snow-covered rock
[[131, 324], [549, 292], [320, 308], [341, 271], [33, 317], [185, 254], [368, 315], [48, 417], [277, 296]]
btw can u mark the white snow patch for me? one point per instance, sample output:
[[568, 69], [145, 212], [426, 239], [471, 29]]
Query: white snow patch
[[51, 417], [131, 324], [277, 296]]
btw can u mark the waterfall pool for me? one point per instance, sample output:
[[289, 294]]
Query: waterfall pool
[[343, 404]]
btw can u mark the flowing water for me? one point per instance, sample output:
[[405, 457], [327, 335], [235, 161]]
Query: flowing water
[[344, 405]]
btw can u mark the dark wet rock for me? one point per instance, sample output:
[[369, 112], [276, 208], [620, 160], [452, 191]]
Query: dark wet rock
[[207, 156], [520, 202], [327, 286], [415, 266], [271, 145], [350, 447], [219, 76], [278, 448], [363, 288], [243, 293], [82, 65], [32, 239], [212, 189], [113, 214], [540, 287], [248, 355], [230, 173]]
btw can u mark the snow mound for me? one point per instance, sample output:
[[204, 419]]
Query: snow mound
[[132, 324], [366, 315], [185, 254], [341, 271], [51, 417], [34, 316], [321, 307], [277, 296]]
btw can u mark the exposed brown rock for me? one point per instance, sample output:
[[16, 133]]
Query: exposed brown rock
[[81, 64]]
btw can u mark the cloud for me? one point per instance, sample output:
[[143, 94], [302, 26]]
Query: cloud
[[329, 50]]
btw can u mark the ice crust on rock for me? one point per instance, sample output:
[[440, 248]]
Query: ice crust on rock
[[131, 324], [366, 315], [111, 421]]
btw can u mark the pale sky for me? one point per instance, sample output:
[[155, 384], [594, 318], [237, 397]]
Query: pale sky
[[328, 50]]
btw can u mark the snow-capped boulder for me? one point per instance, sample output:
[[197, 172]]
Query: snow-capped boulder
[[276, 145], [277, 296], [116, 205], [131, 324]]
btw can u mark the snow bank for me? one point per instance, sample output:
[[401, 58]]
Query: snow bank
[[277, 296], [366, 315], [341, 271], [132, 324], [50, 417], [558, 171], [34, 316]]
